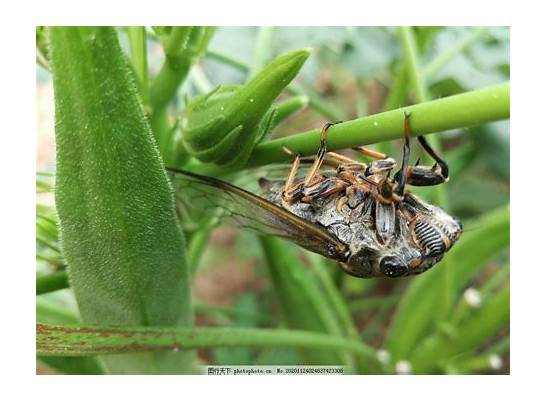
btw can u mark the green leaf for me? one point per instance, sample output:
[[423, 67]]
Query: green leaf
[[417, 310], [485, 323], [120, 238], [223, 126], [302, 303], [70, 340]]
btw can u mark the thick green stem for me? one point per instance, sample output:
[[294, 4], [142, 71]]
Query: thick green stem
[[457, 111], [54, 340], [177, 40]]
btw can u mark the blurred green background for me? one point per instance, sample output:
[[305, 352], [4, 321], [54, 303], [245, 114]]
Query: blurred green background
[[243, 281]]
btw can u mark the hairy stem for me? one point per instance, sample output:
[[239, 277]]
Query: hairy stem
[[54, 340]]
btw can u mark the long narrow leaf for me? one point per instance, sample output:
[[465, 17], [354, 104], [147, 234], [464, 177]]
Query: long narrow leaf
[[484, 324], [302, 303]]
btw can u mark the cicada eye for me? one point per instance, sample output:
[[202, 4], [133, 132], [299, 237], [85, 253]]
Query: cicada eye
[[393, 267]]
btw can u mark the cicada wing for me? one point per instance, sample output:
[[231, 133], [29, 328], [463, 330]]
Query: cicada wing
[[250, 211]]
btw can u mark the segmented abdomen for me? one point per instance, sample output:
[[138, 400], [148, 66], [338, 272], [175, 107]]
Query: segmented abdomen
[[428, 238]]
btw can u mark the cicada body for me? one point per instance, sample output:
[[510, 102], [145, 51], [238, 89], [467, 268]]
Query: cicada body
[[352, 212], [380, 239]]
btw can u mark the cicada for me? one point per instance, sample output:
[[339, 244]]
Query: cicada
[[352, 212]]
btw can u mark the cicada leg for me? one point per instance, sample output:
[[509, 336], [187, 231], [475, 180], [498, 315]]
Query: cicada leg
[[314, 185], [324, 188], [321, 154], [444, 170], [428, 175], [290, 191], [370, 152], [402, 175], [419, 175], [381, 164]]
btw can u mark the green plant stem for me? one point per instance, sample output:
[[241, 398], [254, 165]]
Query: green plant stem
[[163, 89], [139, 57], [164, 86], [48, 312], [72, 340], [457, 111], [51, 282], [411, 55], [449, 54], [177, 39]]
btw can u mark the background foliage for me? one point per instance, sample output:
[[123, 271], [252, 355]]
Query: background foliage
[[263, 301]]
